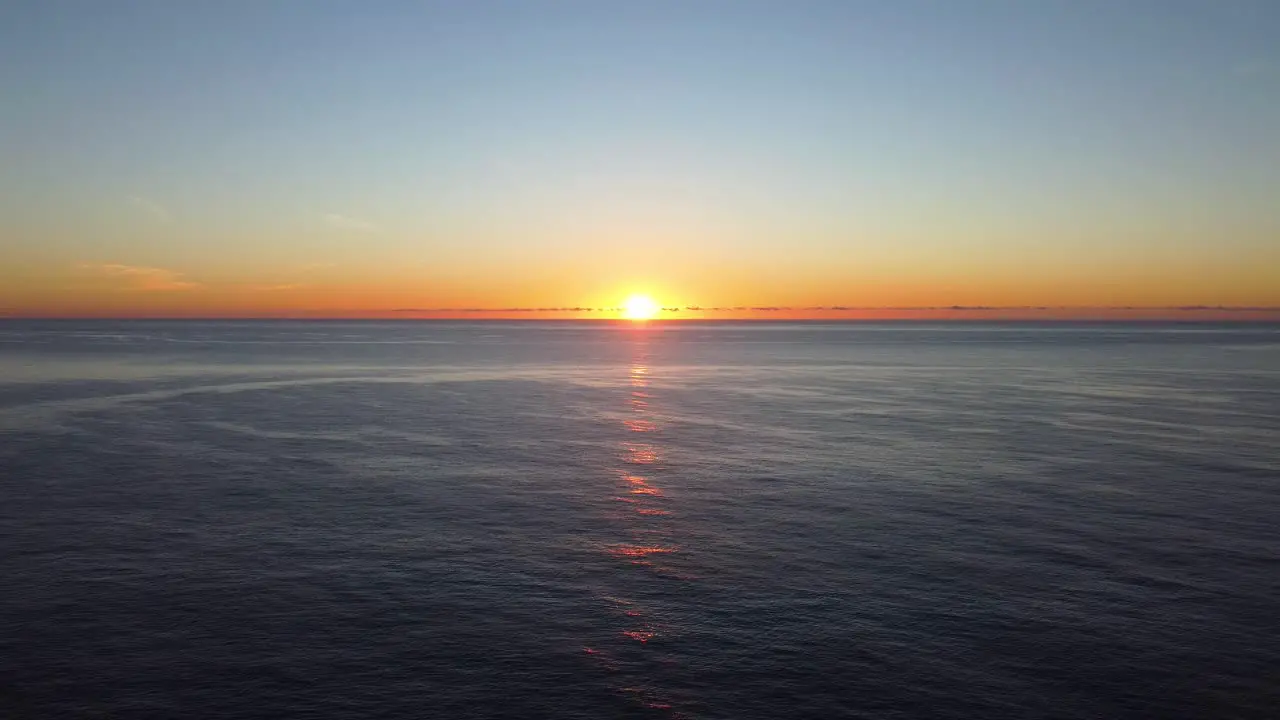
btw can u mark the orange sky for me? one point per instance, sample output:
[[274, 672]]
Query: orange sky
[[117, 290], [352, 303], [554, 291]]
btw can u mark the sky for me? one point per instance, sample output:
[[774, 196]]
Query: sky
[[475, 158]]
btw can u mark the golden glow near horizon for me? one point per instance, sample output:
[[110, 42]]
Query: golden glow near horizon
[[640, 307]]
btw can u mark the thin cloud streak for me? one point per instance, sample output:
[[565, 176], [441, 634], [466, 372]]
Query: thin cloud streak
[[312, 267], [145, 279], [351, 224], [1256, 68], [150, 207]]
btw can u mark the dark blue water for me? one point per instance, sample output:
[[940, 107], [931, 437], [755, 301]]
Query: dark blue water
[[538, 520]]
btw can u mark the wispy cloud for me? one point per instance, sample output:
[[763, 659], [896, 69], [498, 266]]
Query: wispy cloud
[[299, 277], [1255, 68], [147, 279], [312, 267], [149, 207], [351, 224]]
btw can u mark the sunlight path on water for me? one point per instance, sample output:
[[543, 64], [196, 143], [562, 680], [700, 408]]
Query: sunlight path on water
[[643, 507]]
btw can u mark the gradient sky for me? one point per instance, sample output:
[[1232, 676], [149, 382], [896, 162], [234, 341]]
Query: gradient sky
[[313, 157]]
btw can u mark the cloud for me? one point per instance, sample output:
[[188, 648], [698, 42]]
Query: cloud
[[343, 222], [1255, 68], [504, 310], [1226, 308], [149, 207], [147, 279]]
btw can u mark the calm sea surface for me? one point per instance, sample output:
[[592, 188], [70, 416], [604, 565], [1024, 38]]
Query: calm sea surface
[[560, 520]]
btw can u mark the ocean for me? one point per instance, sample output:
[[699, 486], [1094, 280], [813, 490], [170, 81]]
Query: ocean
[[277, 519]]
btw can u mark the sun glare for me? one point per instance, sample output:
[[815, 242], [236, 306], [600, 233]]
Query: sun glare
[[640, 307]]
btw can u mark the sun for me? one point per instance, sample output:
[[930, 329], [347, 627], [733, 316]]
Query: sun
[[640, 307]]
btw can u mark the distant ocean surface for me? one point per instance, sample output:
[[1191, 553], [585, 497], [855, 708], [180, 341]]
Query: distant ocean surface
[[573, 520]]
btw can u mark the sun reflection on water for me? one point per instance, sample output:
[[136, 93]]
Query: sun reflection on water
[[644, 511]]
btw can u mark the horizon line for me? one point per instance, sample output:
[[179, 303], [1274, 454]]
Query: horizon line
[[948, 313], [850, 308], [13, 313]]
